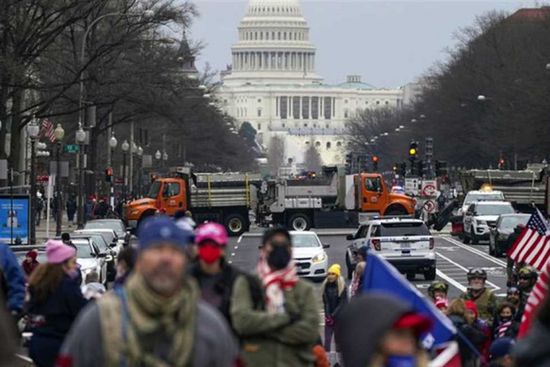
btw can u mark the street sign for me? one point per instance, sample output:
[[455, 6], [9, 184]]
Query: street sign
[[14, 219], [430, 206], [429, 188], [71, 148]]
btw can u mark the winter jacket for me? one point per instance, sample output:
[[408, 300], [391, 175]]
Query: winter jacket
[[12, 280], [276, 340], [334, 297], [486, 303], [533, 350], [52, 319], [469, 337], [503, 329], [223, 287]]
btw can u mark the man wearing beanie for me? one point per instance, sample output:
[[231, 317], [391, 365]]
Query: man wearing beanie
[[334, 295], [156, 318]]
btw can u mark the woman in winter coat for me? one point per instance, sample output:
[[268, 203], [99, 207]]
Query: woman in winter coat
[[55, 301], [504, 324], [469, 336], [334, 294]]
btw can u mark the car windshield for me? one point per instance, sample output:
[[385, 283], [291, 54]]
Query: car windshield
[[494, 209], [154, 190], [470, 198], [305, 240], [115, 225], [512, 221], [83, 249], [403, 229]]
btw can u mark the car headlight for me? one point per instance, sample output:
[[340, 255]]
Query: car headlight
[[87, 271], [319, 258]]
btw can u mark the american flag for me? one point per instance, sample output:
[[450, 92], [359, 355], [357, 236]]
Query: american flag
[[536, 297], [47, 130], [533, 244]]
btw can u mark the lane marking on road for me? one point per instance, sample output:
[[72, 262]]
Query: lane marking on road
[[450, 280], [232, 254], [240, 238], [235, 247], [496, 287], [475, 251]]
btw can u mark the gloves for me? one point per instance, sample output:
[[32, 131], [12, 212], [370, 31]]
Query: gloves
[[329, 320]]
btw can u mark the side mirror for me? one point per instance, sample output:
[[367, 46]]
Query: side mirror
[[114, 244], [326, 245], [101, 254], [349, 237]]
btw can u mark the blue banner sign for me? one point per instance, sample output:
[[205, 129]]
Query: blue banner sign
[[14, 219]]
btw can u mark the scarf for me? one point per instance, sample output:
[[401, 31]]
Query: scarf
[[502, 329], [275, 282], [149, 315]]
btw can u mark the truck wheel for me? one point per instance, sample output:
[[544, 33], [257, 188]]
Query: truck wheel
[[299, 222], [466, 239], [396, 210], [235, 225], [430, 274]]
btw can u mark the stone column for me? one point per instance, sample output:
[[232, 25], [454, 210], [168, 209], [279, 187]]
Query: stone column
[[301, 106]]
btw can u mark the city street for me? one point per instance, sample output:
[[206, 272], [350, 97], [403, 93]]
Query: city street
[[453, 259]]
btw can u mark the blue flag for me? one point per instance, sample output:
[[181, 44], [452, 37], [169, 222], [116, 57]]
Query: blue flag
[[382, 277]]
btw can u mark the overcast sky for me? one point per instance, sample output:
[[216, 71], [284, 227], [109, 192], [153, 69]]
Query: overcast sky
[[388, 43]]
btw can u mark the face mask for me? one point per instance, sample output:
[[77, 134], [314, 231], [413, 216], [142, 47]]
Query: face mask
[[401, 361], [209, 253], [505, 319], [278, 258], [73, 274]]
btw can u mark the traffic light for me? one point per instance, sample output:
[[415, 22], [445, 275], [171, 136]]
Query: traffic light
[[413, 150], [403, 169], [108, 174], [374, 163], [501, 163]]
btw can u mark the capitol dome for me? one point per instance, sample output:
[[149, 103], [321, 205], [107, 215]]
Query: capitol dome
[[273, 46]]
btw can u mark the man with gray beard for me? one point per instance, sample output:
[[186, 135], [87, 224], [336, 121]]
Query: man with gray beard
[[152, 320]]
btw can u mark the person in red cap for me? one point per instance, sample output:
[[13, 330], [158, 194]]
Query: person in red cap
[[390, 339], [55, 301], [30, 263]]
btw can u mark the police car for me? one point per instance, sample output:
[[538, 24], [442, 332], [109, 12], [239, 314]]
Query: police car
[[404, 242]]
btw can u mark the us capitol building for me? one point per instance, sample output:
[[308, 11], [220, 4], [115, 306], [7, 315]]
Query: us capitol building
[[272, 84]]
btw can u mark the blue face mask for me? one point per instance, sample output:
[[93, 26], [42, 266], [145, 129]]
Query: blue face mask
[[401, 361]]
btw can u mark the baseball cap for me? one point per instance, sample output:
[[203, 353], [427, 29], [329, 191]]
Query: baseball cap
[[501, 347]]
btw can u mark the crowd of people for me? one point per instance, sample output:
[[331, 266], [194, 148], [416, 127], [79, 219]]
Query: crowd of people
[[177, 301]]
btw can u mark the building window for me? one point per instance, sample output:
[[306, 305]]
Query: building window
[[284, 36], [314, 108], [279, 36], [387, 102], [346, 113], [305, 107], [256, 36], [296, 108], [259, 127], [283, 125], [259, 100], [377, 102], [317, 144], [328, 107], [366, 102], [328, 145], [339, 144], [305, 124], [283, 107], [259, 112], [345, 101], [307, 142]]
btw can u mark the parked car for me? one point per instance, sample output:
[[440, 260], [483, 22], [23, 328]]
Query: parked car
[[90, 258], [115, 224], [504, 227], [109, 236], [481, 216], [406, 243], [106, 244], [309, 255], [486, 194]]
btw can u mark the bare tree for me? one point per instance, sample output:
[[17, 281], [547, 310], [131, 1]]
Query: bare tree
[[312, 159]]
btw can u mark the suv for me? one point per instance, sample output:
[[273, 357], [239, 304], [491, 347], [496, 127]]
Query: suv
[[406, 243], [498, 238], [481, 216], [480, 195]]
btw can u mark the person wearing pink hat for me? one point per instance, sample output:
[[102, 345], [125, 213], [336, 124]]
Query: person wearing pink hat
[[213, 274], [55, 301]]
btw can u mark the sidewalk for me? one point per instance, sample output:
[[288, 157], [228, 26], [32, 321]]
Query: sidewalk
[[41, 233]]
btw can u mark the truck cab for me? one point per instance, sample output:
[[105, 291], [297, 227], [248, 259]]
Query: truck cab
[[373, 195], [168, 195]]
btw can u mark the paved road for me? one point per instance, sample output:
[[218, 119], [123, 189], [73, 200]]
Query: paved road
[[453, 260]]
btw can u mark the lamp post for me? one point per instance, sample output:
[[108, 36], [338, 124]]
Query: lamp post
[[125, 147], [140, 169], [33, 130], [112, 145], [158, 155], [164, 158], [80, 136], [59, 134]]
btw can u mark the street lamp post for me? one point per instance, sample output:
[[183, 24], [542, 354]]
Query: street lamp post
[[125, 147], [112, 145], [33, 130], [59, 134], [140, 169], [80, 136], [158, 155]]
